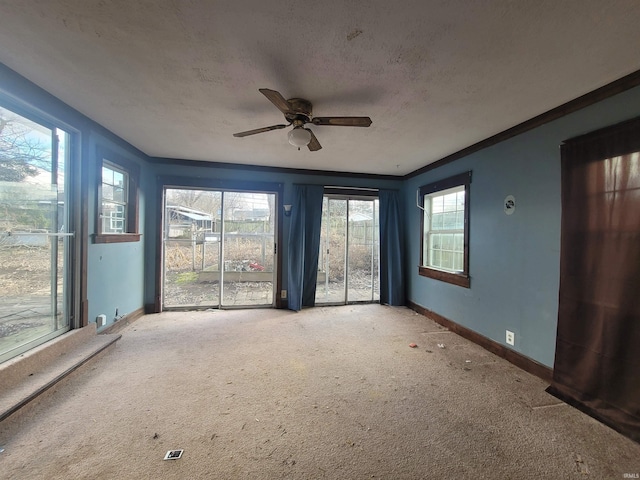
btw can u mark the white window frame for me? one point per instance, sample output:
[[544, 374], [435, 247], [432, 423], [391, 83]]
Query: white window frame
[[434, 257], [114, 220]]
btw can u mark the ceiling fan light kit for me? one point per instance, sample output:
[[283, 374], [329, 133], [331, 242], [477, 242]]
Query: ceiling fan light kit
[[298, 112], [299, 137]]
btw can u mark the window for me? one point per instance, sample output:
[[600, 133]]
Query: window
[[117, 202], [115, 185], [445, 232]]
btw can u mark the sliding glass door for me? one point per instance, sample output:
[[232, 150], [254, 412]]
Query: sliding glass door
[[331, 282], [35, 241], [218, 248], [248, 249], [362, 252], [349, 251]]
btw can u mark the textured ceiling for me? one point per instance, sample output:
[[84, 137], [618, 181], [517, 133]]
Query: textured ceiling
[[177, 78]]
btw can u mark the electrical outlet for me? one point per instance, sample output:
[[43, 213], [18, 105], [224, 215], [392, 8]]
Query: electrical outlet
[[510, 338], [283, 294]]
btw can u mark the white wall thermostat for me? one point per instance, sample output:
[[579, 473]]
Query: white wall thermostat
[[509, 204]]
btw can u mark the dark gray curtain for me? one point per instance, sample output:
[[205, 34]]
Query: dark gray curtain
[[391, 249], [597, 363], [304, 245]]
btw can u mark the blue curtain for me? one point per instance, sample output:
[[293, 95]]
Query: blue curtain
[[304, 245], [391, 249]]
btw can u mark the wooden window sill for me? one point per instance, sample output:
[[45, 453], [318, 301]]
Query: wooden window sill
[[116, 238], [459, 279]]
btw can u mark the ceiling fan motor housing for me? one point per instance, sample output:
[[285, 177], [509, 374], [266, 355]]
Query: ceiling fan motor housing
[[300, 109]]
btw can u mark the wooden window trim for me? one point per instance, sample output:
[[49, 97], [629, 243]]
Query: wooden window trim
[[460, 279], [116, 237], [455, 278]]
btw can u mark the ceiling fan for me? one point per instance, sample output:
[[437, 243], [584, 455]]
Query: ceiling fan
[[298, 112]]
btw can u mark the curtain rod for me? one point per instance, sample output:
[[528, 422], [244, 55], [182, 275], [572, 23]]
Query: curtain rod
[[364, 189]]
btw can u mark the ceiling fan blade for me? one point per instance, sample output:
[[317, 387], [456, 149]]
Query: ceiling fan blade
[[314, 144], [259, 130], [277, 99], [342, 121]]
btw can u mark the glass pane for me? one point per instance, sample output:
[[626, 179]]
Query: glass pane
[[458, 262], [330, 285], [191, 253], [436, 241], [437, 204], [449, 221], [447, 260], [450, 202], [445, 251], [435, 258], [114, 191], [33, 212], [113, 217], [248, 248], [437, 221], [349, 233], [118, 195], [107, 176], [192, 243], [447, 242], [376, 246], [118, 179], [107, 192], [362, 251], [447, 215], [459, 242]]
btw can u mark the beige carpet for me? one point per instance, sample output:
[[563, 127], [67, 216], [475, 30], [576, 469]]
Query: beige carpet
[[331, 392]]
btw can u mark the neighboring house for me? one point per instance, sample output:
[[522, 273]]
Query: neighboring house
[[182, 219]]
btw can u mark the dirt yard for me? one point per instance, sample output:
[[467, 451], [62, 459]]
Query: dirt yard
[[25, 270], [25, 303], [25, 275]]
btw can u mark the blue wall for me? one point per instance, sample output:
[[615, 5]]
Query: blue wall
[[514, 260], [116, 270]]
